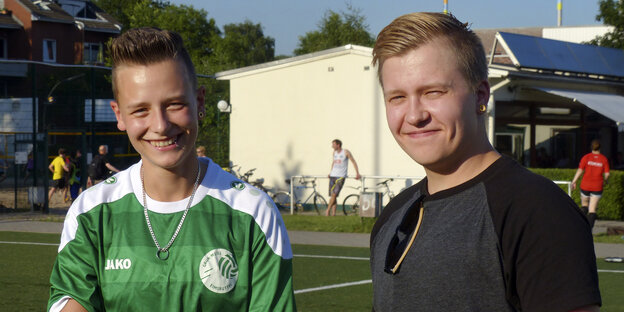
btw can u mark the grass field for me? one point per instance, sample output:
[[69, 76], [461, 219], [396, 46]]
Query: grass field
[[318, 273]]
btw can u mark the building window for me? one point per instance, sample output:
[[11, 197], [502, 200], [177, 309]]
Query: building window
[[49, 50], [79, 8], [93, 53], [3, 48]]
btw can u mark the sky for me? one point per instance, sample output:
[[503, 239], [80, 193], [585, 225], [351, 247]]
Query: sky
[[286, 20]]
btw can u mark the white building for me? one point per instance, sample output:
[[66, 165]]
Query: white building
[[286, 113]]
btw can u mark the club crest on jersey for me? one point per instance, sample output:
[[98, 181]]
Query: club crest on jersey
[[238, 185], [110, 180], [218, 270]]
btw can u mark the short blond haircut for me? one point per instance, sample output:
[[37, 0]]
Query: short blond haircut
[[413, 30]]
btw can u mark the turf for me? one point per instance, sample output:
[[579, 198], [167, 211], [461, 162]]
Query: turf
[[25, 270], [338, 223]]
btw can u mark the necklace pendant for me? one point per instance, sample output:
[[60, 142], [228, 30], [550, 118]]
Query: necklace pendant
[[162, 254]]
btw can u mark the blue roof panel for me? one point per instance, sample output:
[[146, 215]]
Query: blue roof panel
[[541, 53]]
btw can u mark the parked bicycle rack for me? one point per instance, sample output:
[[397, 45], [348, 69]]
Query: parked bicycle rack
[[363, 180]]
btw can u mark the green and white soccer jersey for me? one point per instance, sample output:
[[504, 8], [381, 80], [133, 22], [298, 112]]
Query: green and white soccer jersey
[[232, 253]]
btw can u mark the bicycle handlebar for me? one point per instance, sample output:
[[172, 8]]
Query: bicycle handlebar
[[385, 182]]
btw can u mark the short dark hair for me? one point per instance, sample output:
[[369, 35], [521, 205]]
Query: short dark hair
[[149, 45], [62, 151], [337, 142], [595, 145]]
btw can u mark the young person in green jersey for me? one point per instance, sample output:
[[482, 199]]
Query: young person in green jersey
[[173, 232]]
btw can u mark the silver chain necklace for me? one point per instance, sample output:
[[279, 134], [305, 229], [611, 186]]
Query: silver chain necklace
[[163, 252]]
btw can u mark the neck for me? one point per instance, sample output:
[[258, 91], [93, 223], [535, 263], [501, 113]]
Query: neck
[[466, 169], [171, 184]]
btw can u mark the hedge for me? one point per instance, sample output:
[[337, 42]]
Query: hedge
[[610, 207]]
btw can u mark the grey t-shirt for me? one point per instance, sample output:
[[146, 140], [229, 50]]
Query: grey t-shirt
[[506, 240]]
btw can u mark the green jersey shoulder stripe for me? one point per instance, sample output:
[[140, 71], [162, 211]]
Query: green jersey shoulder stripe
[[217, 184]]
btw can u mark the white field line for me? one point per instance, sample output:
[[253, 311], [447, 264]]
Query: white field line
[[301, 291], [610, 271], [332, 257], [296, 255], [29, 243]]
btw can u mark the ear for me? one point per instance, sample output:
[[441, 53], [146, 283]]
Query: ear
[[201, 99], [120, 123], [483, 94]]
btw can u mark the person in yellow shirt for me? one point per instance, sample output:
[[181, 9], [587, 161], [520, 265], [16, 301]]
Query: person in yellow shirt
[[58, 169]]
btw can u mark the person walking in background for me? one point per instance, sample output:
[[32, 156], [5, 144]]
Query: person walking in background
[[59, 168], [479, 232], [596, 168], [3, 167], [338, 174], [201, 151], [74, 176], [100, 167], [30, 166], [173, 232]]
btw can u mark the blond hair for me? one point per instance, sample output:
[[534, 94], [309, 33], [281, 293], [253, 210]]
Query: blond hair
[[413, 30], [149, 45]]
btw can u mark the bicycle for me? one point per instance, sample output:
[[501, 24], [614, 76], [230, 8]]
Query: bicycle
[[258, 183], [282, 198], [351, 203]]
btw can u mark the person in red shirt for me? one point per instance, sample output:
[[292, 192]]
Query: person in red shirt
[[595, 165]]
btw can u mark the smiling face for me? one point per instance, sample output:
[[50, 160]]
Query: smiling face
[[431, 109], [157, 107]]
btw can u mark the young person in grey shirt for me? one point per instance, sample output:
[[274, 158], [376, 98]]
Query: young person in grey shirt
[[480, 232]]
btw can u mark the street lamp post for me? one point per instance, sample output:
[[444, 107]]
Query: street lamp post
[[224, 107]]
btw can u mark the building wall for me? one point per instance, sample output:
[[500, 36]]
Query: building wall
[[62, 33], [283, 121], [575, 34]]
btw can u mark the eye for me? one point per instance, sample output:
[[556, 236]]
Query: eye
[[176, 105], [396, 99], [434, 93], [139, 112]]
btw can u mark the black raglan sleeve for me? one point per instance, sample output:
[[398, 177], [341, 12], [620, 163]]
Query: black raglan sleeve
[[545, 241]]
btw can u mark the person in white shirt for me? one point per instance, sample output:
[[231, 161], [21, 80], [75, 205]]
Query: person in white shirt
[[338, 173]]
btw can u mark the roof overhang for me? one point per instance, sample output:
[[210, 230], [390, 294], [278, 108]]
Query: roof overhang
[[297, 60], [608, 105]]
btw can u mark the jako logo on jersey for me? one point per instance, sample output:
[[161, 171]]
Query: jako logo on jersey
[[110, 180], [118, 264], [218, 270], [238, 185]]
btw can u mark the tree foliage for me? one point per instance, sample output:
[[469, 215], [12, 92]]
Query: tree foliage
[[611, 13], [243, 44], [336, 29]]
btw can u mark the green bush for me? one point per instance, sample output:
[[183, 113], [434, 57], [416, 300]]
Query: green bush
[[610, 207]]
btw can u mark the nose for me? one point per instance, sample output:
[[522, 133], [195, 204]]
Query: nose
[[417, 113], [160, 121]]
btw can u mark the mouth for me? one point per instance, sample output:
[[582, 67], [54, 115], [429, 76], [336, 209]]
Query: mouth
[[164, 143], [421, 133]]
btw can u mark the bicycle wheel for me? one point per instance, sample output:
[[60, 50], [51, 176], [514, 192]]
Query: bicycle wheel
[[282, 201], [320, 204], [351, 204]]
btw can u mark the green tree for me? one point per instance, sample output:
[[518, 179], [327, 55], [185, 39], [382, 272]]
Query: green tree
[[243, 44], [611, 13], [122, 10], [336, 30]]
